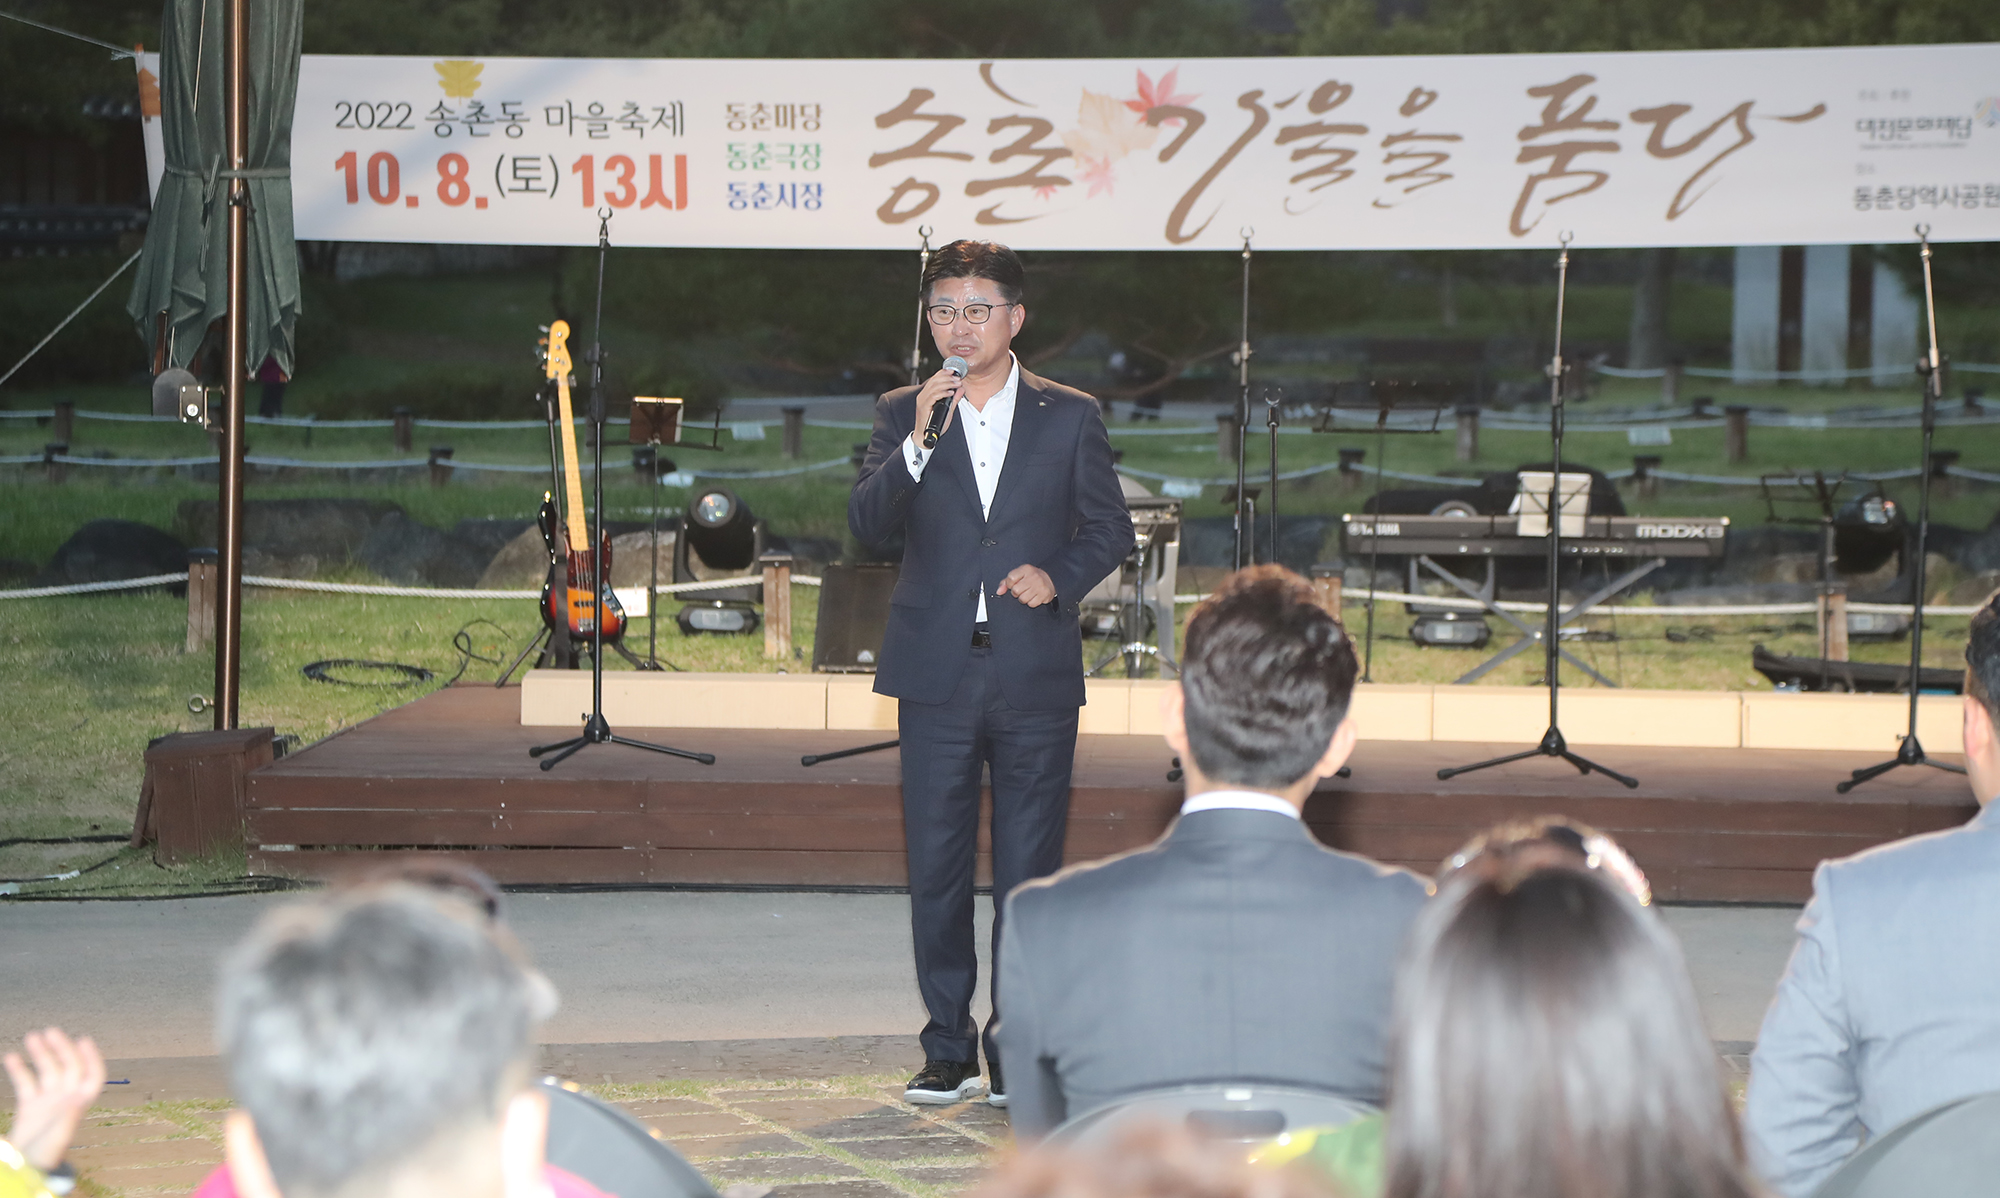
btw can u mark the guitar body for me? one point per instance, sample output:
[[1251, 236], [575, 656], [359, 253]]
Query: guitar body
[[585, 600], [577, 595]]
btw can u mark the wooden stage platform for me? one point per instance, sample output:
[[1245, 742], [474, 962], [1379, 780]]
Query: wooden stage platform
[[451, 772]]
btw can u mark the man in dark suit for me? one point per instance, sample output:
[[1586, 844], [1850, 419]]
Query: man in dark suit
[[1008, 522], [1236, 948]]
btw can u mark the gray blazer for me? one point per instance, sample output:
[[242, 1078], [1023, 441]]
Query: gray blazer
[[1234, 948], [1890, 1006]]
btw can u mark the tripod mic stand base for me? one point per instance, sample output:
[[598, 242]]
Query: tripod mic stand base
[[597, 731], [1911, 753], [1553, 745]]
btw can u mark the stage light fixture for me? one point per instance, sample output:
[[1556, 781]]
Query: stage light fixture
[[1868, 530], [721, 530], [719, 617], [1454, 630]]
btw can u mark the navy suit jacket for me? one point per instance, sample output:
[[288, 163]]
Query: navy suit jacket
[[1058, 506]]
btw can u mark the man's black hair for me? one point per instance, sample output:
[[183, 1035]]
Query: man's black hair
[[1267, 674], [1982, 658], [977, 260]]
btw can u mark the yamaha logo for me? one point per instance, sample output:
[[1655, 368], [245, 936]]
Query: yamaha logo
[[1679, 532]]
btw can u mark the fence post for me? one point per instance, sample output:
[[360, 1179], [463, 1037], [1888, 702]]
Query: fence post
[[1225, 437], [1643, 465], [1736, 435], [1942, 460], [1670, 384], [1468, 434], [795, 432], [440, 465], [57, 471], [1833, 621], [405, 425], [777, 606], [201, 599], [65, 421], [1350, 468]]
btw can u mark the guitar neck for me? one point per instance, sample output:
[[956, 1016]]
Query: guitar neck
[[579, 536]]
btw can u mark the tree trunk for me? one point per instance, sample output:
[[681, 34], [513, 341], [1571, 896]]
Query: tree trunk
[[1651, 296]]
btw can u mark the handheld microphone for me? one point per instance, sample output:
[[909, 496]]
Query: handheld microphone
[[934, 428]]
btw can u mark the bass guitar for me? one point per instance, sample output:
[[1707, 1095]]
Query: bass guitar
[[577, 596]]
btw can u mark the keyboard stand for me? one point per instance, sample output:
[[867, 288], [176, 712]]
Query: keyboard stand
[[1531, 637]]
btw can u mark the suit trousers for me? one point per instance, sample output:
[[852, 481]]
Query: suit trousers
[[945, 745]]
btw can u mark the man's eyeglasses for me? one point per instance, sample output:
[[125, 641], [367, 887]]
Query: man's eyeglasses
[[944, 314]]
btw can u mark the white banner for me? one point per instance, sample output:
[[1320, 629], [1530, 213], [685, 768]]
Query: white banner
[[1737, 147]]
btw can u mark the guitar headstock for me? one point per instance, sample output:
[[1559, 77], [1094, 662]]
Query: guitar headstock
[[555, 359]]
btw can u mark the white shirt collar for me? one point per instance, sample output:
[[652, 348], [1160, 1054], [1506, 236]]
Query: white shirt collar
[[1004, 397], [1241, 800]]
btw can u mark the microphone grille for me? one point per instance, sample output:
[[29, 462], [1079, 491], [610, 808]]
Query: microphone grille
[[957, 365]]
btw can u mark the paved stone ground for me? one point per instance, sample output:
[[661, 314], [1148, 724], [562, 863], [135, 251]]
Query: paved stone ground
[[845, 1137], [774, 1113]]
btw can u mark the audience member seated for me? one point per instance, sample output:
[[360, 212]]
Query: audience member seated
[[1547, 1043], [378, 1039], [1237, 947], [1891, 1003], [53, 1090], [1146, 1161], [1351, 1155]]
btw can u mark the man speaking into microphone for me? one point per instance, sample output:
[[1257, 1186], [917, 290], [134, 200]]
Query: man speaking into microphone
[[1009, 517]]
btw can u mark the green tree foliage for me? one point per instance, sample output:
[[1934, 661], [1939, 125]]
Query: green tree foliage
[[46, 78], [1553, 26]]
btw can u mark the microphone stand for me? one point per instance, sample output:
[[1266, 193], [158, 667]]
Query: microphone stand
[[1931, 366], [1553, 744], [916, 367], [1246, 545], [596, 729], [917, 339], [1274, 403]]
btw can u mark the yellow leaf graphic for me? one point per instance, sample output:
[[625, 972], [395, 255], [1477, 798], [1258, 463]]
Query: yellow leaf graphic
[[458, 77], [1106, 130]]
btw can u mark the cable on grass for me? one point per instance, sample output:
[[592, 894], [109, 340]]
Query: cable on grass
[[400, 675], [1681, 636], [245, 885], [461, 643], [67, 874]]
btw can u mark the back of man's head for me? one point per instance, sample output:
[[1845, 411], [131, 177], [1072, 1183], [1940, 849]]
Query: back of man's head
[[1266, 675], [370, 1030], [1982, 658]]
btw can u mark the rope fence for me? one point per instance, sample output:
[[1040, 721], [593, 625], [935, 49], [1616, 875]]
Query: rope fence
[[722, 584]]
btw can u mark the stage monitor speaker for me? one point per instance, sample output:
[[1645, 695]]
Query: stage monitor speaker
[[853, 613]]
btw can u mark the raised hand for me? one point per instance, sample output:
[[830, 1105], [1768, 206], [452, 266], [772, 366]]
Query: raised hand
[[51, 1098]]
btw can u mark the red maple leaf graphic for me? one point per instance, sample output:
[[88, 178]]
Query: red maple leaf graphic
[[1154, 95], [1097, 173]]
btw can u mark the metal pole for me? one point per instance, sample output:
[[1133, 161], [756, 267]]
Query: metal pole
[[1246, 549], [1933, 392], [1275, 401], [1551, 661], [229, 592], [917, 338]]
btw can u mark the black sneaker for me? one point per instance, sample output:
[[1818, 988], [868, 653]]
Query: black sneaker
[[940, 1083], [996, 1089]]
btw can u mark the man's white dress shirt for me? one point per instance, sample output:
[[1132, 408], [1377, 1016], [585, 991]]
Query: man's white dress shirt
[[986, 435], [1247, 800]]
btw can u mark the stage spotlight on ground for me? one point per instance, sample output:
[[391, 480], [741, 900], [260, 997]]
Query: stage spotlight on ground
[[721, 530], [726, 538], [1451, 630]]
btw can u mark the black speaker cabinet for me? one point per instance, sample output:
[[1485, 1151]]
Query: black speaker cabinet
[[853, 611]]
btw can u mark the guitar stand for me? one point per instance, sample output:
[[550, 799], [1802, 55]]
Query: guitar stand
[[597, 729]]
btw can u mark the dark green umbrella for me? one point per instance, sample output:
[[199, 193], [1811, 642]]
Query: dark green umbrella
[[184, 264], [221, 238]]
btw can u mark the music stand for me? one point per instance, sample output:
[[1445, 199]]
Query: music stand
[[1554, 516]]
